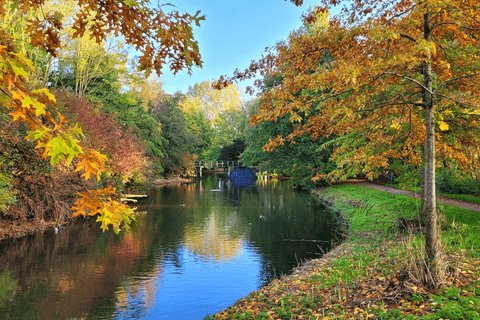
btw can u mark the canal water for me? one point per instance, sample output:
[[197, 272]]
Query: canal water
[[194, 251]]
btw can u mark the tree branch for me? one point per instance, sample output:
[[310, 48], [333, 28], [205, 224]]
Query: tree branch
[[461, 77], [466, 104], [408, 37], [410, 79]]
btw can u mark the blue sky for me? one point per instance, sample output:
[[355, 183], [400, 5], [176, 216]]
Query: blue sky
[[234, 33]]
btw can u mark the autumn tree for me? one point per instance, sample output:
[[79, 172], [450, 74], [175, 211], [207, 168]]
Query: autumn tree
[[300, 160], [162, 37], [212, 102], [391, 79], [126, 152], [150, 91], [215, 116]]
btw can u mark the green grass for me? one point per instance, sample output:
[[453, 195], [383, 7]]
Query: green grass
[[373, 251], [380, 211], [367, 211]]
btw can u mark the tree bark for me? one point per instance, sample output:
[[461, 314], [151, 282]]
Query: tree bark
[[429, 207]]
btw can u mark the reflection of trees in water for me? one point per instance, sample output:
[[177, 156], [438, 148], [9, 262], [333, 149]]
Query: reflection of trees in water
[[213, 237], [77, 271], [8, 286], [277, 218], [81, 272], [271, 216], [199, 216], [135, 295]]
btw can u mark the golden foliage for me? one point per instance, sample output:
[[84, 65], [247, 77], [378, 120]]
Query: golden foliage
[[360, 81], [162, 37], [91, 163], [58, 141], [101, 203]]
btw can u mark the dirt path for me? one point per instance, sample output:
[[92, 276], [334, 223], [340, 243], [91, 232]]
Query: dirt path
[[450, 202]]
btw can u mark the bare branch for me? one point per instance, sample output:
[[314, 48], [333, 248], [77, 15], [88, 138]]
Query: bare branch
[[408, 37], [466, 104], [409, 79], [460, 78]]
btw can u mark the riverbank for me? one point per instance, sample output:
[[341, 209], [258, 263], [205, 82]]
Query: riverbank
[[375, 272], [10, 229], [465, 201], [171, 181]]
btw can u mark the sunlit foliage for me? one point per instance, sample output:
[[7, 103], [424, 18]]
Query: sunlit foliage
[[162, 37]]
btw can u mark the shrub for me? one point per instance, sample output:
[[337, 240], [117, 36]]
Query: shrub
[[407, 176], [127, 155], [7, 195], [30, 189], [453, 181]]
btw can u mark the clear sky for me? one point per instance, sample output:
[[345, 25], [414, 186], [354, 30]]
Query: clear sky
[[234, 33]]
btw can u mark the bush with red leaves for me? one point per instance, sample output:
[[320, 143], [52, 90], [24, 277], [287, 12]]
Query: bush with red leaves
[[127, 155]]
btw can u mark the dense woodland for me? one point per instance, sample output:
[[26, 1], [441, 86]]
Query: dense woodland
[[383, 87]]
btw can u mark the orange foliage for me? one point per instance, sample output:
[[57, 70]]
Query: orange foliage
[[102, 203], [162, 37], [360, 81]]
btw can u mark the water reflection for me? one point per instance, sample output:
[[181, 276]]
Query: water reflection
[[195, 252], [213, 238]]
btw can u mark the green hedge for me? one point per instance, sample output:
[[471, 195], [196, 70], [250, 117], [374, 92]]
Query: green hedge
[[452, 181]]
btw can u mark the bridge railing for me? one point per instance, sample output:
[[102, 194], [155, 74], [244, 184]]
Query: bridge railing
[[216, 164]]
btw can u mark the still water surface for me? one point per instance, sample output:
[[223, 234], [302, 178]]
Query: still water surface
[[196, 250]]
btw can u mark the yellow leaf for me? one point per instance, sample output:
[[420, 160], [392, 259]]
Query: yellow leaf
[[109, 212], [443, 126], [396, 125], [45, 92]]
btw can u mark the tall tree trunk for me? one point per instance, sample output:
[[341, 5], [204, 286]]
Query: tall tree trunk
[[429, 207]]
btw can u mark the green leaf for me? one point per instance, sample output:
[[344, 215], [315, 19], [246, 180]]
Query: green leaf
[[38, 134], [76, 130], [40, 108], [57, 149], [74, 147], [105, 218], [61, 147]]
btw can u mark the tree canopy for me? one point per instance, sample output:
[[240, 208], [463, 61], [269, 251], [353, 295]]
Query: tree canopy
[[382, 80]]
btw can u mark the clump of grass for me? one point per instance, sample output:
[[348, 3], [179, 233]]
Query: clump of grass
[[421, 271]]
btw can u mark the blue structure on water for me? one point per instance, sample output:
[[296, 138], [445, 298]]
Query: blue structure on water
[[243, 176]]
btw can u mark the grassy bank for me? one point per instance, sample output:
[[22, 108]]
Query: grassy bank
[[374, 272]]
